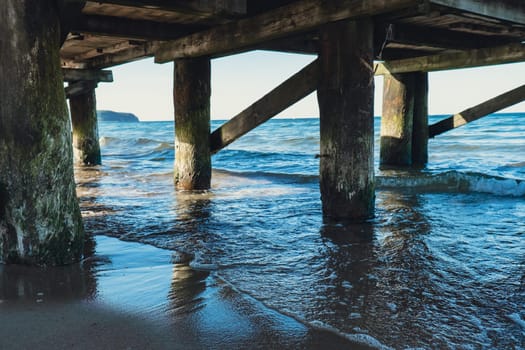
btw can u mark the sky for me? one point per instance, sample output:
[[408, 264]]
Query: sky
[[145, 88]]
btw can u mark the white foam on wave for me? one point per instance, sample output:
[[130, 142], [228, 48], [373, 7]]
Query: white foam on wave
[[503, 187], [360, 338], [454, 181]]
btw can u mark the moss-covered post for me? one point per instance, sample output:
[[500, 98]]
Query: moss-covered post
[[86, 147], [397, 120], [192, 93], [40, 220], [345, 96], [420, 124]]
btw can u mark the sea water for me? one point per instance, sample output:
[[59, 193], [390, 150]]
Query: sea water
[[442, 264]]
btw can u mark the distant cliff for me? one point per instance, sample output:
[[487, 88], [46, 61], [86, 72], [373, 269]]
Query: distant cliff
[[110, 116]]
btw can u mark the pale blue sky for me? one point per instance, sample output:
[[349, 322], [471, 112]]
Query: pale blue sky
[[145, 88]]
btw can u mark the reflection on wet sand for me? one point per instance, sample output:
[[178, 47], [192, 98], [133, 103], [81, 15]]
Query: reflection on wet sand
[[375, 268], [124, 296]]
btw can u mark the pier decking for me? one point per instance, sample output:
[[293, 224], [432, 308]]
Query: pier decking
[[110, 32], [353, 39]]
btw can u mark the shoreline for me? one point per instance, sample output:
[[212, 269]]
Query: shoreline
[[132, 296]]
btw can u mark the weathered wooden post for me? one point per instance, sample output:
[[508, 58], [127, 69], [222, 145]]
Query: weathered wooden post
[[345, 95], [83, 108], [192, 93], [397, 120], [40, 220], [420, 123]]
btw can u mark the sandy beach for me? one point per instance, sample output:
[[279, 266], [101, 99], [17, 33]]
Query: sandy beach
[[134, 296]]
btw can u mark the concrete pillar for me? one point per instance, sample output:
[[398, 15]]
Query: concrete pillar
[[420, 123], [397, 120], [40, 220], [192, 93], [83, 110], [345, 96]]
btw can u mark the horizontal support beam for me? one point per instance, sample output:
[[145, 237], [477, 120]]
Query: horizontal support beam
[[483, 109], [137, 52], [504, 10], [470, 58], [195, 7], [73, 75], [80, 88], [297, 17], [434, 37], [133, 29], [289, 92]]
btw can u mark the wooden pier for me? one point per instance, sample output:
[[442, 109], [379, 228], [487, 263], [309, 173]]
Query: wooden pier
[[46, 42]]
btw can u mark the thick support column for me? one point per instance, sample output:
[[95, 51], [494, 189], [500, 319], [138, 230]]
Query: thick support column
[[345, 96], [83, 108], [192, 124], [40, 220], [420, 123], [397, 120]]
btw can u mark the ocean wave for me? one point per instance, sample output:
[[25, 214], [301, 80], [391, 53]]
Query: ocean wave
[[451, 181], [164, 146], [273, 176], [454, 181], [108, 140]]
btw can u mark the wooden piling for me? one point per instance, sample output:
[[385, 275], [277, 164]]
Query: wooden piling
[[345, 96], [192, 124], [397, 120], [83, 110], [420, 122], [40, 220]]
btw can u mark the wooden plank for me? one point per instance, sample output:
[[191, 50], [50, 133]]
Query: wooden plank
[[79, 88], [436, 37], [297, 17], [470, 58], [483, 109], [289, 92], [505, 10], [132, 29], [72, 75], [135, 53], [222, 7]]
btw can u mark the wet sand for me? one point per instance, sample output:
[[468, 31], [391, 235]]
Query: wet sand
[[134, 296]]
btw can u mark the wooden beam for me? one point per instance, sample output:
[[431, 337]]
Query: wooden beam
[[470, 58], [289, 92], [79, 88], [421, 36], [483, 109], [133, 29], [297, 17], [99, 51], [68, 11], [135, 53], [504, 10], [72, 75], [219, 7]]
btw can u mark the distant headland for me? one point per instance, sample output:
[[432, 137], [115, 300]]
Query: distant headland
[[111, 116]]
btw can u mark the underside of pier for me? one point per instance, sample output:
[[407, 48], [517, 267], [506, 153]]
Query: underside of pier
[[354, 40]]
